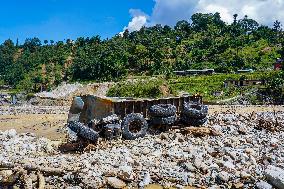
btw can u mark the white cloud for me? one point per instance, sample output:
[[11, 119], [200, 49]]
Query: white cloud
[[224, 12], [139, 19], [168, 12], [263, 11]]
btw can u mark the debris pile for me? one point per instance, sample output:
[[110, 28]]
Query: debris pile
[[61, 91], [231, 151], [64, 93]]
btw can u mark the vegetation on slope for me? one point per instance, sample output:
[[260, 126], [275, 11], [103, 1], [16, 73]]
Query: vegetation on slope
[[206, 42], [205, 85]]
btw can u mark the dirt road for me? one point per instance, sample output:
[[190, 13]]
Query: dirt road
[[51, 124], [43, 121]]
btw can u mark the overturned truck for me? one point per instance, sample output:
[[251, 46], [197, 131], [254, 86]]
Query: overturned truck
[[91, 117]]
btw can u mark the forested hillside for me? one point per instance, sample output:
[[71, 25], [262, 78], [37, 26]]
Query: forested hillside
[[204, 42]]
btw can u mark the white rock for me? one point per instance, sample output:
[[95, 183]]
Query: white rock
[[263, 185], [10, 133], [115, 182], [229, 165], [245, 175], [224, 176], [146, 180], [125, 173], [190, 167], [4, 175]]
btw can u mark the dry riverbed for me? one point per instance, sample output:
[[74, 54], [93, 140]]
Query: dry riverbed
[[239, 147]]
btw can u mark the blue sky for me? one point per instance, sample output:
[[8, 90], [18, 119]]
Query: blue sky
[[63, 19]]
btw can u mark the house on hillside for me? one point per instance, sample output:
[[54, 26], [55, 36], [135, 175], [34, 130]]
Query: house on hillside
[[245, 71], [5, 87], [243, 83], [180, 73], [195, 72], [278, 64]]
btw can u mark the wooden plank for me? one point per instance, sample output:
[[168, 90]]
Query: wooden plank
[[176, 104], [144, 108], [138, 107], [129, 107], [119, 109]]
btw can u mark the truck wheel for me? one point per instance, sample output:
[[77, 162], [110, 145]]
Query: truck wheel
[[193, 121], [134, 126], [195, 110], [83, 131], [163, 120], [162, 110]]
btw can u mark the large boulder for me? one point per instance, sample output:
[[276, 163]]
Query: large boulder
[[275, 176]]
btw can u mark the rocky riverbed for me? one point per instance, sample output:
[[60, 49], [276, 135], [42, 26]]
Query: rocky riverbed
[[233, 150]]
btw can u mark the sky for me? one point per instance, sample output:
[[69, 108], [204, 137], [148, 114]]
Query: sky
[[63, 19]]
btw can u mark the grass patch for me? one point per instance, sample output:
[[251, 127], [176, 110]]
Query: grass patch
[[204, 85]]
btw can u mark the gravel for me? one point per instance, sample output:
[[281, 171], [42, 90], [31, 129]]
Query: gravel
[[238, 156], [29, 109]]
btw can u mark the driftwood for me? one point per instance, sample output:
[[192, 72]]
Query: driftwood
[[198, 131], [45, 170], [13, 177], [41, 181], [78, 146], [27, 181]]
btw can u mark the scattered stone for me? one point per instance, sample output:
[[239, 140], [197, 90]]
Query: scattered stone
[[115, 182], [242, 130], [164, 136], [223, 176], [238, 185], [230, 160], [146, 180], [229, 165], [245, 175], [190, 167], [4, 175], [125, 173]]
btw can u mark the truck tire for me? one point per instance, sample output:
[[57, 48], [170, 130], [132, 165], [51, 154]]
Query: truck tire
[[163, 120], [162, 110], [134, 126], [83, 131], [193, 121], [198, 111]]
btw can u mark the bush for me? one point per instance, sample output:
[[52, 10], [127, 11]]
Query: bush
[[150, 88]]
